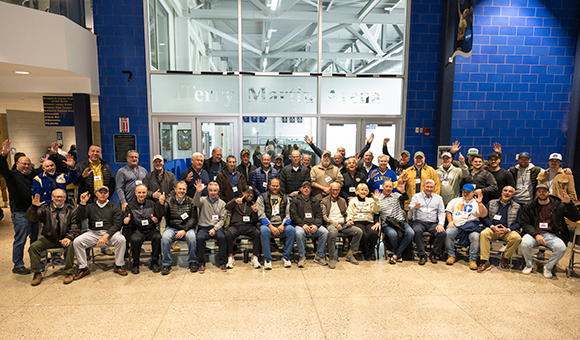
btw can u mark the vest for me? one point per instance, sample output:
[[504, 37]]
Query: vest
[[512, 210], [268, 206]]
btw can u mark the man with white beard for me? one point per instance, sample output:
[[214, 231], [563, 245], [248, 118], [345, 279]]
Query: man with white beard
[[324, 174], [159, 181]]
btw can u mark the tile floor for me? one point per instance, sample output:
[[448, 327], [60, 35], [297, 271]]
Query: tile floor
[[370, 301]]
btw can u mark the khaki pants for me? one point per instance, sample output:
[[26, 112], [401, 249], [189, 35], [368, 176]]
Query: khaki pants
[[512, 238]]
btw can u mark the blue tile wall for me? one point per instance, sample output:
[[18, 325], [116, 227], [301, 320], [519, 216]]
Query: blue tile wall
[[121, 47], [521, 84]]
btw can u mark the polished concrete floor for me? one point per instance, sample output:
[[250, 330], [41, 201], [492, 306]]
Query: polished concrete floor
[[370, 301]]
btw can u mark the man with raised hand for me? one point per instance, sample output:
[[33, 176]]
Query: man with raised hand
[[381, 174], [244, 218], [397, 166], [193, 173], [159, 181], [450, 176]]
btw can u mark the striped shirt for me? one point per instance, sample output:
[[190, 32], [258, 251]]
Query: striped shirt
[[391, 207]]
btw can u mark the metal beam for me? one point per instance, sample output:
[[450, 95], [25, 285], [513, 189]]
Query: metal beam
[[367, 9], [362, 39], [371, 38], [225, 36], [312, 38]]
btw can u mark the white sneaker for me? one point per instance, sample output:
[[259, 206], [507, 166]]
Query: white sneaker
[[287, 263], [268, 265], [527, 270], [231, 262], [255, 262], [547, 273]]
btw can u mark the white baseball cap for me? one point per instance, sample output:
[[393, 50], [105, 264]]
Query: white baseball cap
[[556, 156]]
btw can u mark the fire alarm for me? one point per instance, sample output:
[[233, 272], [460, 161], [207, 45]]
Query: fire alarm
[[427, 132]]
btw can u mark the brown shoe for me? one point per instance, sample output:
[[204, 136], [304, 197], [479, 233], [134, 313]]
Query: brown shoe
[[68, 279], [504, 263], [36, 279], [483, 267], [201, 269], [82, 273], [223, 268], [120, 270]]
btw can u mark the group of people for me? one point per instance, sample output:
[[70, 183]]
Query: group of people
[[465, 202]]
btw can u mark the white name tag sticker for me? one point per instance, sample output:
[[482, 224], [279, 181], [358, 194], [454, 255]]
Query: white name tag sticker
[[462, 214], [352, 189], [543, 225], [214, 177], [308, 215], [275, 212], [417, 181], [265, 185], [474, 186], [145, 222], [328, 179], [99, 224], [445, 182], [138, 182], [497, 217], [97, 178], [360, 215], [215, 217], [246, 218], [235, 189], [184, 216]]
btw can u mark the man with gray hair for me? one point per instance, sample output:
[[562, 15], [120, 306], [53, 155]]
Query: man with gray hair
[[159, 181], [214, 165], [381, 174], [128, 177], [193, 173], [428, 215]]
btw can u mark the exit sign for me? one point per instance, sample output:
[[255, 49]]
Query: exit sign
[[124, 124]]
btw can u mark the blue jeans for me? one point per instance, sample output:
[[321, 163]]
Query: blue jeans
[[473, 244], [169, 237], [394, 238], [322, 235], [265, 234], [23, 228], [556, 245]]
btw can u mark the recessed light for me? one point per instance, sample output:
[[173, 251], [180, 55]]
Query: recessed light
[[21, 72]]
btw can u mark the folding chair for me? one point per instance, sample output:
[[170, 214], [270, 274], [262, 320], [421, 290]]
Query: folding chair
[[575, 250], [52, 252]]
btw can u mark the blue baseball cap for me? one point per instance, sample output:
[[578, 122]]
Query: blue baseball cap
[[468, 187]]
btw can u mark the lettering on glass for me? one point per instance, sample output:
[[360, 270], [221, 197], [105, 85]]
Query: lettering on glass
[[355, 97], [294, 95], [207, 96]]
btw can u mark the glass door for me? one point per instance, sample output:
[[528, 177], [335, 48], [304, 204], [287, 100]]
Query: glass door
[[382, 130], [342, 133], [218, 132]]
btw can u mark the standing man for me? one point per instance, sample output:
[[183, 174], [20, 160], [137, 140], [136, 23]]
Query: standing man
[[450, 176], [94, 172], [402, 164], [322, 175], [525, 175], [231, 182], [381, 174], [105, 218], [417, 175], [60, 227], [19, 182], [502, 177], [212, 216], [128, 177], [293, 175], [193, 173], [482, 180], [544, 223], [262, 176], [306, 215], [49, 180], [339, 161], [159, 181], [366, 165], [306, 160], [246, 168], [243, 222], [334, 211], [556, 180], [214, 165], [278, 162], [274, 217]]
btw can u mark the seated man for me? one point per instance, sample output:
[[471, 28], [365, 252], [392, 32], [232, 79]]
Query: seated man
[[544, 223], [393, 220], [274, 215], [105, 220], [463, 214], [180, 218], [428, 215], [59, 230], [49, 179], [244, 217], [381, 174], [142, 216], [306, 215], [505, 226], [212, 216], [334, 213]]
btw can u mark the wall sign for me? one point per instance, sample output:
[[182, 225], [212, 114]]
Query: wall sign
[[58, 111], [123, 143]]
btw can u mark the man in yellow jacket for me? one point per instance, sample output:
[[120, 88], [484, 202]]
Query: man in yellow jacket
[[418, 174]]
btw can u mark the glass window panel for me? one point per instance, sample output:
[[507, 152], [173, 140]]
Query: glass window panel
[[274, 134], [286, 95], [381, 131], [175, 140], [279, 36], [217, 135], [344, 135], [364, 36], [162, 38]]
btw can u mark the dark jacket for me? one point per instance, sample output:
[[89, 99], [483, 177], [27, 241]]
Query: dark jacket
[[559, 212], [87, 184], [394, 164], [259, 178], [246, 172], [361, 168], [167, 184], [351, 182], [483, 180], [239, 210], [58, 163], [207, 166], [226, 192], [327, 205], [297, 211], [46, 213], [291, 180], [503, 178], [203, 175], [174, 211], [111, 216], [142, 212], [19, 186]]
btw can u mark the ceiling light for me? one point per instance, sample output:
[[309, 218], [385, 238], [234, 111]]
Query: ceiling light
[[21, 72], [274, 5]]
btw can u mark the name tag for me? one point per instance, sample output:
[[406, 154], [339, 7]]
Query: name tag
[[275, 212], [99, 224], [352, 189], [138, 182], [308, 215], [214, 177], [215, 217], [474, 186], [417, 181], [497, 217], [360, 215], [246, 218], [328, 179], [235, 189], [145, 222], [265, 184], [543, 225], [445, 182], [97, 178], [184, 216], [462, 214]]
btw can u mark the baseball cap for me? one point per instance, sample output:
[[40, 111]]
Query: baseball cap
[[468, 187], [493, 154], [248, 188], [524, 154], [306, 183], [406, 153], [448, 154], [472, 151], [556, 156], [103, 187], [419, 154], [278, 155], [245, 151], [158, 157], [326, 152], [541, 185]]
